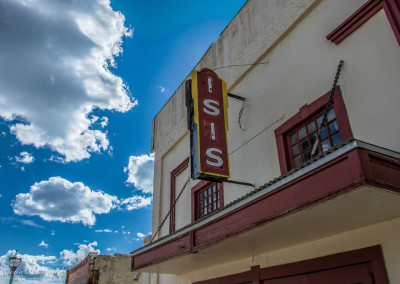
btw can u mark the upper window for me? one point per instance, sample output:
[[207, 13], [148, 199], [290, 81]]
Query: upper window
[[302, 139], [207, 197], [296, 137]]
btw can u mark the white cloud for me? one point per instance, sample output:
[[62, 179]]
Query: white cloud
[[34, 266], [104, 121], [141, 172], [52, 233], [43, 244], [123, 227], [111, 249], [162, 89], [140, 235], [60, 200], [13, 220], [24, 157], [103, 231], [135, 202], [72, 258], [61, 52]]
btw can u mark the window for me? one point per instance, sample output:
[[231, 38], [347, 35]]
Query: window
[[207, 197], [296, 137], [302, 139], [177, 171]]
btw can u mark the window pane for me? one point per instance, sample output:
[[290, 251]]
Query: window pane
[[218, 204], [205, 202], [304, 144], [217, 194], [319, 120], [201, 195], [333, 126], [336, 139], [297, 161], [306, 155], [324, 133], [317, 151], [214, 197], [210, 208], [326, 144], [205, 193], [295, 149], [311, 127], [201, 213], [302, 132], [313, 138], [214, 206], [293, 138], [331, 114], [214, 188], [205, 211], [209, 190], [209, 199]]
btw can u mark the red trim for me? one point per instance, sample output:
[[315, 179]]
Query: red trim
[[200, 185], [370, 8], [179, 169], [305, 113], [371, 256], [349, 171], [392, 10]]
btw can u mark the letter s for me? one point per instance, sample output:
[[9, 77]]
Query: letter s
[[214, 110], [219, 162]]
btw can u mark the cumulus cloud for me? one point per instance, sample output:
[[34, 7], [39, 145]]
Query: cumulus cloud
[[34, 266], [24, 157], [59, 55], [111, 249], [71, 258], [140, 172], [140, 235], [43, 244], [135, 202], [57, 199]]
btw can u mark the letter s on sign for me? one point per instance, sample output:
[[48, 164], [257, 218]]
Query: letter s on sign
[[212, 109], [219, 162]]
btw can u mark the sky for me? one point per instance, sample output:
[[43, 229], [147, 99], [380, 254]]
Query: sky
[[80, 82]]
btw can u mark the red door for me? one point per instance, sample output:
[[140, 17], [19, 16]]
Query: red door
[[352, 274]]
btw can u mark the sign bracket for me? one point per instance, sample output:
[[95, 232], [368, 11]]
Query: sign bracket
[[239, 182], [236, 97]]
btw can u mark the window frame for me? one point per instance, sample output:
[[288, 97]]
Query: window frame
[[199, 187], [303, 116], [178, 170]]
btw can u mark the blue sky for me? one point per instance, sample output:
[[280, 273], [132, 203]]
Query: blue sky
[[79, 86]]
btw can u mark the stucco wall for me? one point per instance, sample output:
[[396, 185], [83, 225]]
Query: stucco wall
[[384, 234], [114, 269]]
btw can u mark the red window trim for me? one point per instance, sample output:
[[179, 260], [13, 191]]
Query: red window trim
[[370, 8], [371, 255], [201, 185], [306, 112], [179, 169]]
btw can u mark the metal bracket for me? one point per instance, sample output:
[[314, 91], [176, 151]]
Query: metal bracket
[[239, 182], [236, 97]]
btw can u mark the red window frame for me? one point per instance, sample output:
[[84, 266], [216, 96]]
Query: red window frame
[[200, 188], [179, 169], [306, 114]]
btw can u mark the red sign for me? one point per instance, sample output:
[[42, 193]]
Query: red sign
[[209, 139]]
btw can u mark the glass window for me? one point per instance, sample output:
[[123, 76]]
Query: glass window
[[208, 200]]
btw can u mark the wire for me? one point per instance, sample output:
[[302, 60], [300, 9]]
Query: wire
[[238, 65], [257, 135], [240, 115], [170, 210]]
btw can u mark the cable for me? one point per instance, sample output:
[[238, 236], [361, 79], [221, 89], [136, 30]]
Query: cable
[[257, 135], [170, 210], [238, 65]]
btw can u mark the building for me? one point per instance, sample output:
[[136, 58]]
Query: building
[[334, 215], [102, 269]]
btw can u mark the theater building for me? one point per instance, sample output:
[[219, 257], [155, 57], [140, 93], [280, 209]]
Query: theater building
[[299, 213]]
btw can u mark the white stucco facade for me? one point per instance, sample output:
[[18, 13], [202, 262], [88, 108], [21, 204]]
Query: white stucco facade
[[298, 66]]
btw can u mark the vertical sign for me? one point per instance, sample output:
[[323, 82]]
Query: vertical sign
[[207, 102]]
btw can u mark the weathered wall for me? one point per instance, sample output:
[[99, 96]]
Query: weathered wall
[[114, 269]]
